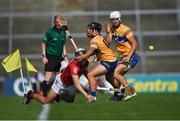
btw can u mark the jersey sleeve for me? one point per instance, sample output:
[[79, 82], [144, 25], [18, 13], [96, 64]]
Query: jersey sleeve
[[94, 44], [127, 32], [46, 37]]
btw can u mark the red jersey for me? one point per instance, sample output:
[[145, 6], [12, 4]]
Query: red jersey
[[73, 69]]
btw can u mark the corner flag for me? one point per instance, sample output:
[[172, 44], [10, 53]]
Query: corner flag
[[12, 62], [29, 66]]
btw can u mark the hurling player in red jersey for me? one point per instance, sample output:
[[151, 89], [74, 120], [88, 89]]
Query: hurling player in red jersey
[[65, 84]]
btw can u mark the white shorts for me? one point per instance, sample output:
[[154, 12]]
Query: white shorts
[[58, 87]]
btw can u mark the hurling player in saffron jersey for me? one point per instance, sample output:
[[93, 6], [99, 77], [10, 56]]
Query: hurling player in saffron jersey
[[66, 83], [126, 45], [104, 54]]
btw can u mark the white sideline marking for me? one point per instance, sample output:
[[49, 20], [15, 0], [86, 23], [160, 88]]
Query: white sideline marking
[[44, 112]]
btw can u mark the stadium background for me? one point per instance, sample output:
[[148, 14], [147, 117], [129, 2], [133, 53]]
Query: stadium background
[[155, 22]]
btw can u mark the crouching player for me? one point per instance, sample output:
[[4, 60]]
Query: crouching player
[[66, 83]]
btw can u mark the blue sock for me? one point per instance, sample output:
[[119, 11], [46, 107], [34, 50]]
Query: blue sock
[[93, 93]]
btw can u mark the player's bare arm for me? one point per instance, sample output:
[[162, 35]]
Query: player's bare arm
[[79, 87], [133, 42], [108, 33], [87, 54]]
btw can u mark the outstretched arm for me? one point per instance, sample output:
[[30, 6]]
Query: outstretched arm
[[79, 87], [87, 54]]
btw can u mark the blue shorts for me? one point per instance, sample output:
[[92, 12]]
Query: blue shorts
[[110, 66], [132, 63]]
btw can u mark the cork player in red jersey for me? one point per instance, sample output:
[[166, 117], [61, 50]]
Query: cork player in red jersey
[[65, 84]]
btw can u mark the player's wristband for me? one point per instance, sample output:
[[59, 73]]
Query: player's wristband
[[70, 37]]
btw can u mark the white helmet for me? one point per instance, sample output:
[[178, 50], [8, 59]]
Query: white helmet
[[115, 15], [80, 51]]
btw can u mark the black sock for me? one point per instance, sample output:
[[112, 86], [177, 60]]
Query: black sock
[[45, 87], [122, 90], [116, 93]]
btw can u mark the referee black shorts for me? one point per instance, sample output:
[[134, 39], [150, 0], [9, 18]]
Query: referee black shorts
[[54, 63]]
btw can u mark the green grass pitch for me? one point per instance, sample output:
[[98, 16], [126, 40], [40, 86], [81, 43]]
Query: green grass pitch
[[142, 107]]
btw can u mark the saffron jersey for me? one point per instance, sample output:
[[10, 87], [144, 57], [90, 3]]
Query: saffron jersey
[[103, 51], [120, 36], [73, 68]]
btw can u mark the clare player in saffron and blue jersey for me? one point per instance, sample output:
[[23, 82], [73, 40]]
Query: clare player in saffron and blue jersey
[[126, 45], [104, 54]]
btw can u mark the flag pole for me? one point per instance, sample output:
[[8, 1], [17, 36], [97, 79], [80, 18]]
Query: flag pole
[[22, 78], [29, 79], [29, 67]]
